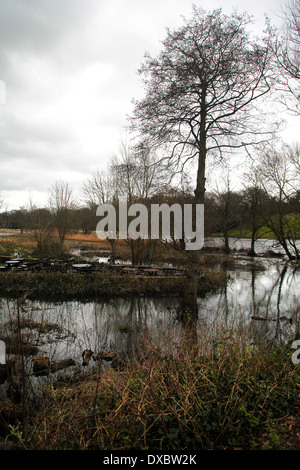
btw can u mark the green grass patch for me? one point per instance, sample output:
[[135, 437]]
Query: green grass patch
[[291, 226]]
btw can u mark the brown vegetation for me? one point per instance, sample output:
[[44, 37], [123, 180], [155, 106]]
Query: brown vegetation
[[219, 393]]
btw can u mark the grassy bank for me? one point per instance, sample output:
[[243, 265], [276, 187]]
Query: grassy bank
[[292, 226], [211, 395], [57, 285]]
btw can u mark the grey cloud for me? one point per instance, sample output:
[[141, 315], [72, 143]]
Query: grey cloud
[[39, 25]]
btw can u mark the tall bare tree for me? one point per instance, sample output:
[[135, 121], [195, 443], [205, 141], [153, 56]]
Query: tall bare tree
[[138, 175], [202, 97], [201, 91]]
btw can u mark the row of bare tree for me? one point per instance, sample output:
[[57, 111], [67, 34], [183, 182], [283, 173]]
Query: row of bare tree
[[267, 205]]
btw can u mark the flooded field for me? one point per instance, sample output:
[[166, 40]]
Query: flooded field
[[263, 301]]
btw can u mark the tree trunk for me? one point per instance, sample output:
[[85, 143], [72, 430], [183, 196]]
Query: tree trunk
[[200, 184], [251, 252]]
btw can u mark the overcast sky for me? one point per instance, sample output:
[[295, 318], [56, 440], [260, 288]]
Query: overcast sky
[[70, 74]]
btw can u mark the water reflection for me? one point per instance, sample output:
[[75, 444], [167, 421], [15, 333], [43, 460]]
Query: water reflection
[[66, 329], [267, 302], [264, 302], [261, 245]]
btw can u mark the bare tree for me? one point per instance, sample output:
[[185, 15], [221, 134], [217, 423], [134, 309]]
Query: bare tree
[[254, 198], [200, 92], [137, 172], [62, 203], [290, 42], [202, 96], [280, 178], [126, 172], [40, 221], [137, 175], [226, 210], [287, 51], [99, 189], [132, 175]]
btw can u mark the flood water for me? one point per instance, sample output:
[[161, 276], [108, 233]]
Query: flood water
[[261, 298], [263, 301], [261, 245]]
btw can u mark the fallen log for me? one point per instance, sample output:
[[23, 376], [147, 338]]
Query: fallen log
[[62, 365], [42, 365]]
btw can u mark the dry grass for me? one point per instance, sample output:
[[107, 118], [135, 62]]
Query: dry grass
[[178, 394], [88, 238], [19, 243]]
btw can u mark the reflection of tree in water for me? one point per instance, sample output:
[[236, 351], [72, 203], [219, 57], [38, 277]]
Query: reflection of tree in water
[[262, 311], [281, 291], [263, 302], [124, 324]]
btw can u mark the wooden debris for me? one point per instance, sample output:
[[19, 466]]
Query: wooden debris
[[42, 365], [86, 356]]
